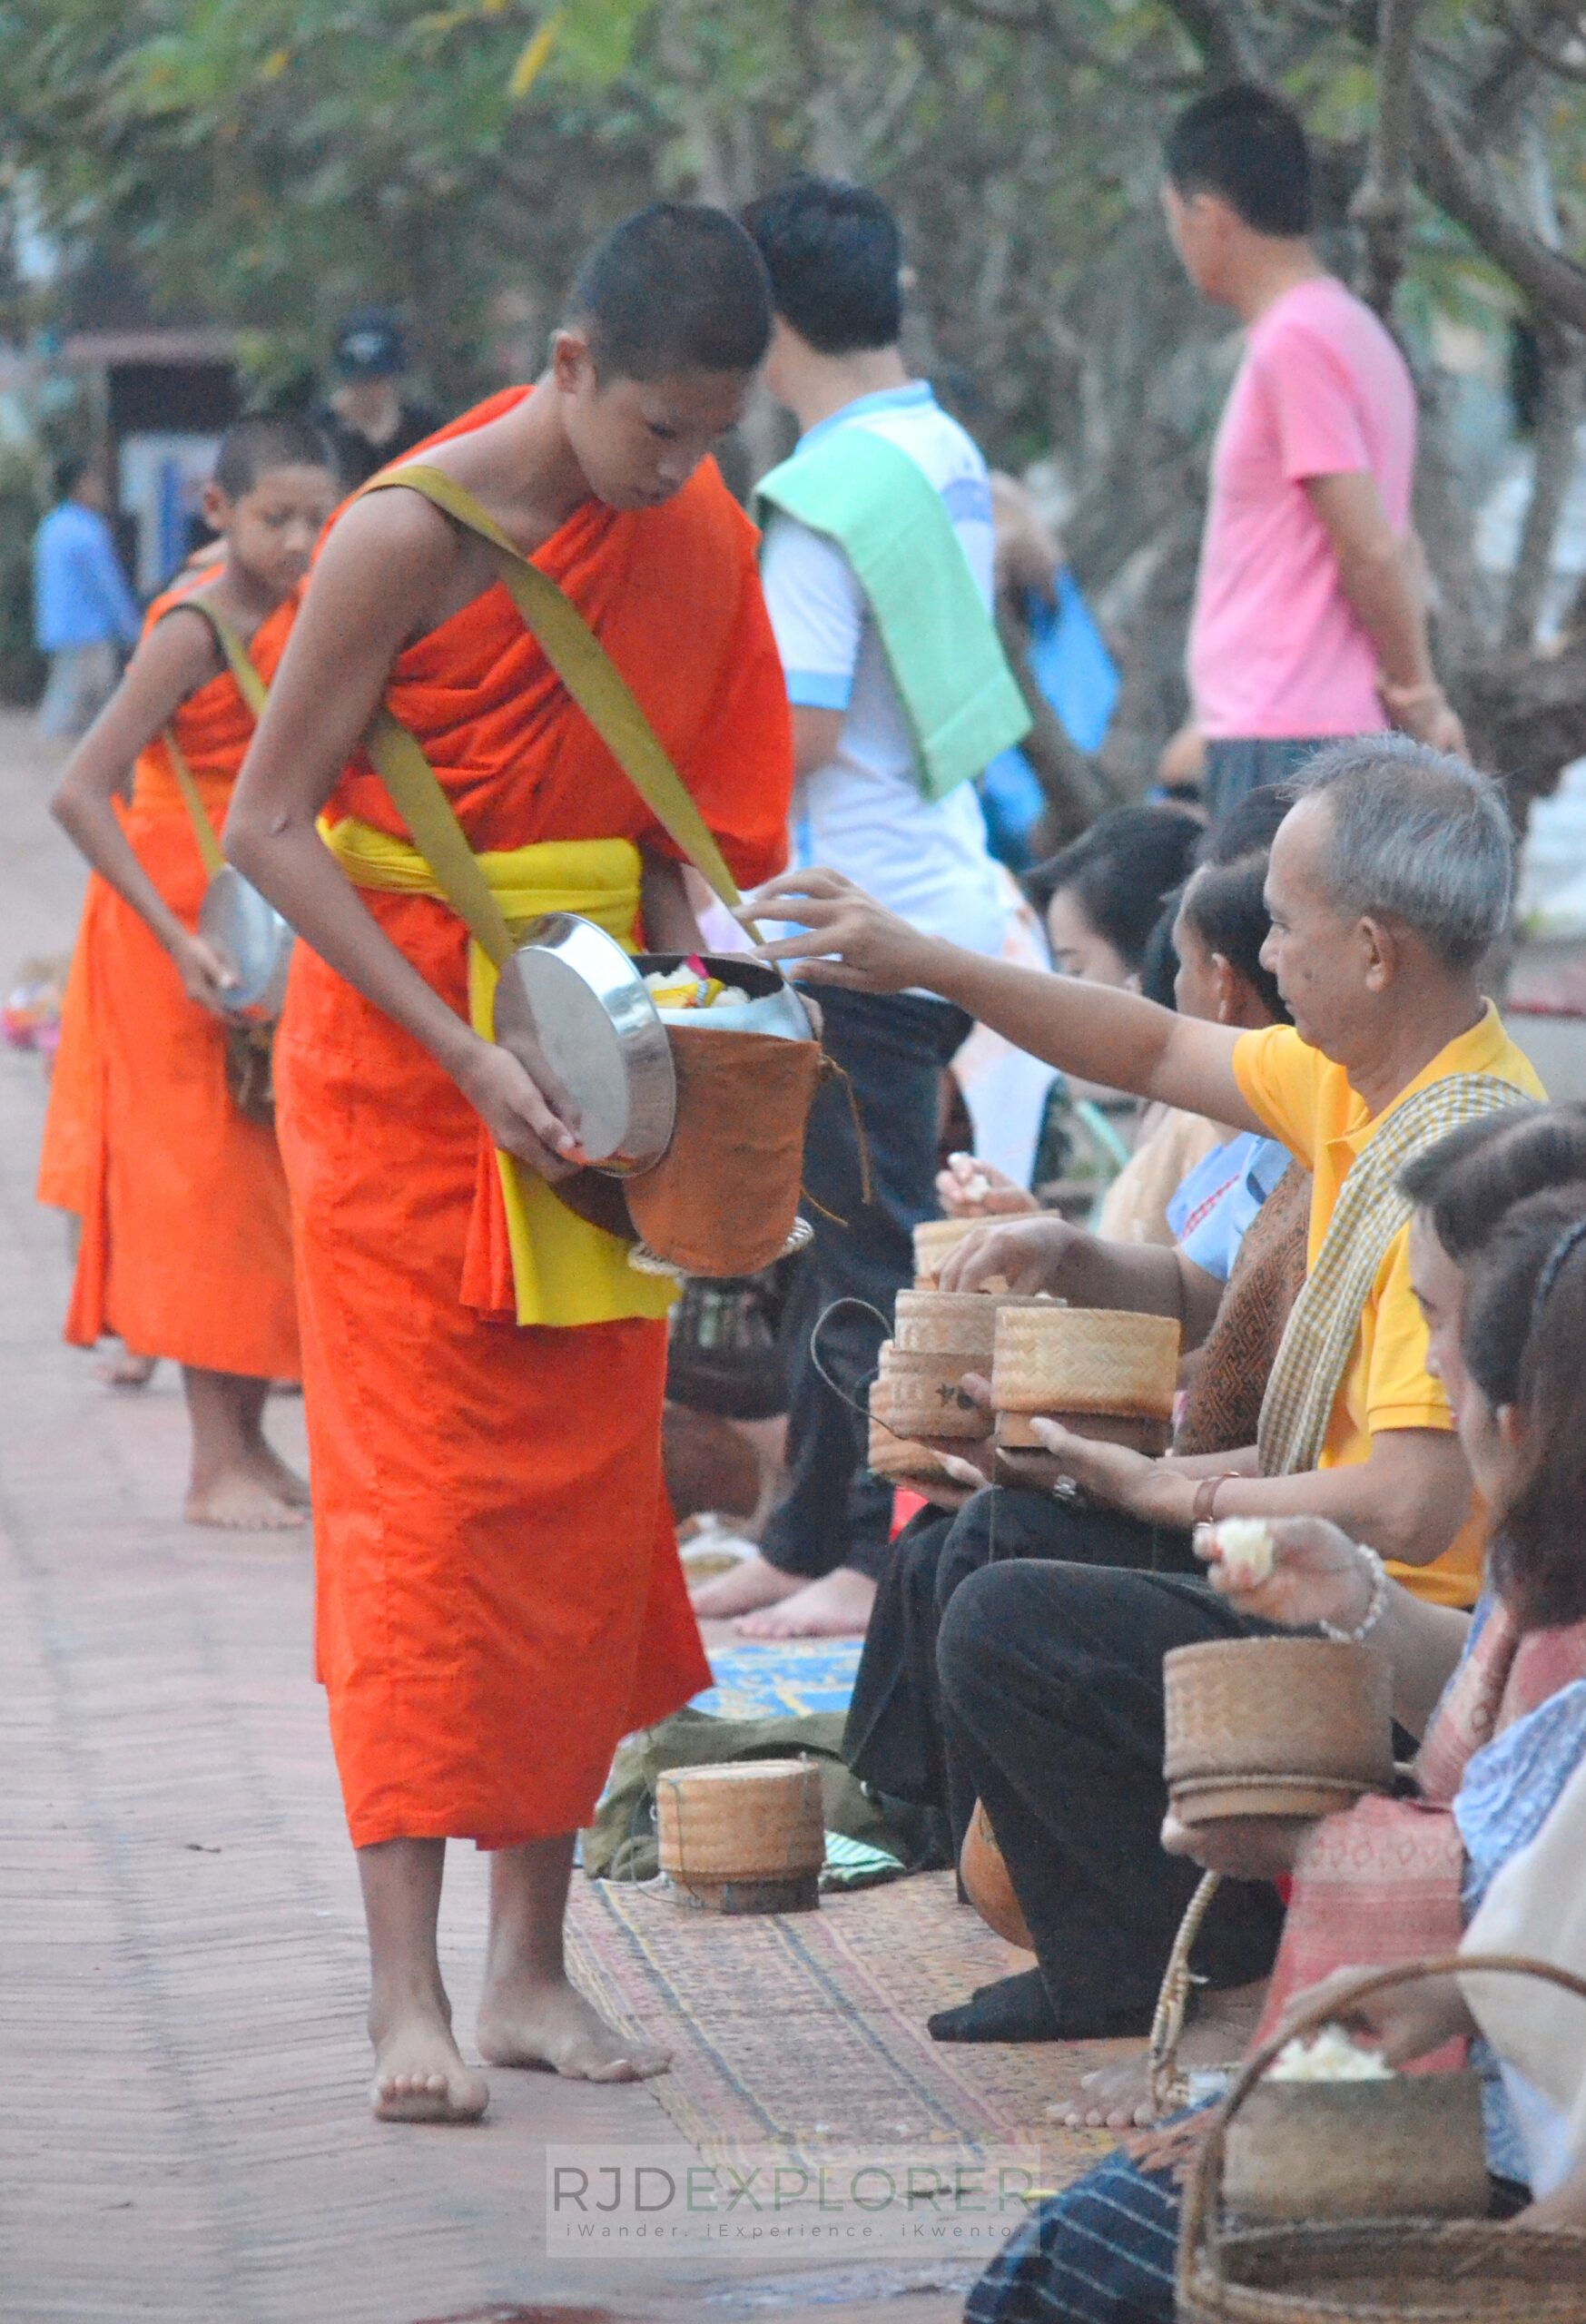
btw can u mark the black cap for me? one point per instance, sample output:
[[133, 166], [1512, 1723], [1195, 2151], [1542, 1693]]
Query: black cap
[[370, 344]]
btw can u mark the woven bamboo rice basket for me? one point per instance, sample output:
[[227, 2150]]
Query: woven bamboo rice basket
[[933, 1239], [1141, 1431], [746, 1836], [1275, 1727], [898, 1459], [1409, 2270], [923, 1397], [955, 1323], [1052, 1359]]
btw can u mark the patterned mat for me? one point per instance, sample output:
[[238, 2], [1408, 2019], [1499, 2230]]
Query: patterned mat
[[809, 2028], [781, 1675]]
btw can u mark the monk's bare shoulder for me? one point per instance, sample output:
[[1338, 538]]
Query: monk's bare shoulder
[[391, 556], [178, 656]]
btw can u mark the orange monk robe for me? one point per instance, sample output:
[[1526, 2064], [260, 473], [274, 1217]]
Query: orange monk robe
[[499, 1596], [186, 1243]]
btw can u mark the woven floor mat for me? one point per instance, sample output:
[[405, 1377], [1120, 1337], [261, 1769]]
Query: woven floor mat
[[810, 2028]]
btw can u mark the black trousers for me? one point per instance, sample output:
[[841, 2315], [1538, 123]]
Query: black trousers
[[893, 1048], [1051, 1714], [894, 1736]]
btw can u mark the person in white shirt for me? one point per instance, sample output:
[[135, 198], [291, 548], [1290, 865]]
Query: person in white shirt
[[833, 252]]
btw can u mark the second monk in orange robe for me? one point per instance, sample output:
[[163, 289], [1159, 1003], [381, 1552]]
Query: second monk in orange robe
[[500, 1597], [185, 1249]]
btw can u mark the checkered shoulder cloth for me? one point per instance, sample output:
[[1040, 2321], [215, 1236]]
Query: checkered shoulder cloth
[[1313, 1353]]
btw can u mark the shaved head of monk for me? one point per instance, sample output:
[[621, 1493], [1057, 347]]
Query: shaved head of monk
[[667, 323]]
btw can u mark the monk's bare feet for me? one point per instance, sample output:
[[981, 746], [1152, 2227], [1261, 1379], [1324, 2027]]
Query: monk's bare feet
[[1118, 2095], [751, 1583], [419, 2073], [241, 1503], [119, 1368], [837, 1605], [274, 1475], [553, 2025]]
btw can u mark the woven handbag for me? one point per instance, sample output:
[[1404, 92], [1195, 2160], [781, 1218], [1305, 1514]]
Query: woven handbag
[[1377, 2271]]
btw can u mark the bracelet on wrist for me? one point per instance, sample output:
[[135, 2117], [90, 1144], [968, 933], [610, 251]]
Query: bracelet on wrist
[[1204, 1511], [1376, 1604]]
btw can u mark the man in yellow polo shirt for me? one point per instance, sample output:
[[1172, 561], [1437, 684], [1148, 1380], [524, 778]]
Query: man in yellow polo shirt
[[1390, 879]]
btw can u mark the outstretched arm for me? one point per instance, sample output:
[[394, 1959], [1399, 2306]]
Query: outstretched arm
[[177, 657], [1090, 1031], [380, 577]]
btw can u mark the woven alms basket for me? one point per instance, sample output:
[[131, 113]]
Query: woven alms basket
[[898, 1459], [933, 1239], [746, 1836], [1275, 1727], [956, 1323], [923, 1398], [1053, 1359], [1404, 2271]]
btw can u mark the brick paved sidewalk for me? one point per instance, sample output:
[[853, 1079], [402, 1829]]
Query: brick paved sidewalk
[[184, 2134]]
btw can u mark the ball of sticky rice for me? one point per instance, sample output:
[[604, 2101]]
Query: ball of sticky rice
[[1246, 1550], [1329, 2056]]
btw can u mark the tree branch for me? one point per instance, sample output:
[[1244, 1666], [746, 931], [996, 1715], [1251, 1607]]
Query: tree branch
[[1529, 42], [1448, 173], [1563, 385], [1381, 207], [1224, 33]]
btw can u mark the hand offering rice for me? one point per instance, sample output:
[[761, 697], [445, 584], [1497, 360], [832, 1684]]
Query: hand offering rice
[[1330, 2056], [1246, 1550]]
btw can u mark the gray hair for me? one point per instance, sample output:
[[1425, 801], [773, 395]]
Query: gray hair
[[1417, 836]]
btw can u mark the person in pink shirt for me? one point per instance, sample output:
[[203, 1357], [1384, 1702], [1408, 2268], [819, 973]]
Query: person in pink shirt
[[1310, 618]]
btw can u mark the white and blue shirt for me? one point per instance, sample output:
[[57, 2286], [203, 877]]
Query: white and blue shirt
[[864, 813], [1214, 1205]]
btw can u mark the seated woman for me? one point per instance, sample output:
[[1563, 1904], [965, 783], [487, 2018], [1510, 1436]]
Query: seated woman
[[1230, 1281], [1391, 1880]]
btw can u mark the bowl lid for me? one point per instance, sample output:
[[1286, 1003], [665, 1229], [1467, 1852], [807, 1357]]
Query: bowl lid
[[572, 1008], [246, 927]]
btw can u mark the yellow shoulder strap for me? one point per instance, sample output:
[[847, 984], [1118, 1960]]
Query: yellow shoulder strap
[[588, 672], [204, 830], [436, 832], [251, 688]]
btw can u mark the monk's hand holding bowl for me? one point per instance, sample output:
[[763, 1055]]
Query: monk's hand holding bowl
[[845, 937], [1318, 1575], [1028, 1253], [207, 976], [516, 1113]]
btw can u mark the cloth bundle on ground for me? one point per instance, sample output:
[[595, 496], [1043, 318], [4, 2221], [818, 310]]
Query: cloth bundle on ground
[[621, 1844]]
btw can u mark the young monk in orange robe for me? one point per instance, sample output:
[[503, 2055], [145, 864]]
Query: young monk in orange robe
[[186, 1239], [499, 1593]]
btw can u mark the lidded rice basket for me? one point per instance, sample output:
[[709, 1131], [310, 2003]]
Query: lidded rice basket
[[923, 1395], [956, 1323], [933, 1239], [1103, 1372], [1275, 1727], [747, 1835]]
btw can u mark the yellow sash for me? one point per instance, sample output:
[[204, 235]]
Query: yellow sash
[[565, 1271]]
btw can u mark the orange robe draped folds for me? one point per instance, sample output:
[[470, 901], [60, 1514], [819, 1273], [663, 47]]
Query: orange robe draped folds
[[186, 1242], [499, 1598]]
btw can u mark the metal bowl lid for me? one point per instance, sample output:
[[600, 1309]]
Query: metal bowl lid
[[254, 937], [572, 1008]]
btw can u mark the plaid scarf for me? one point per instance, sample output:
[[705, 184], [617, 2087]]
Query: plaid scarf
[[1325, 1319]]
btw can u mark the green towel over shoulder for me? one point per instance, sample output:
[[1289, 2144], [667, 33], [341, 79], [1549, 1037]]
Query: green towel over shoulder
[[959, 696]]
